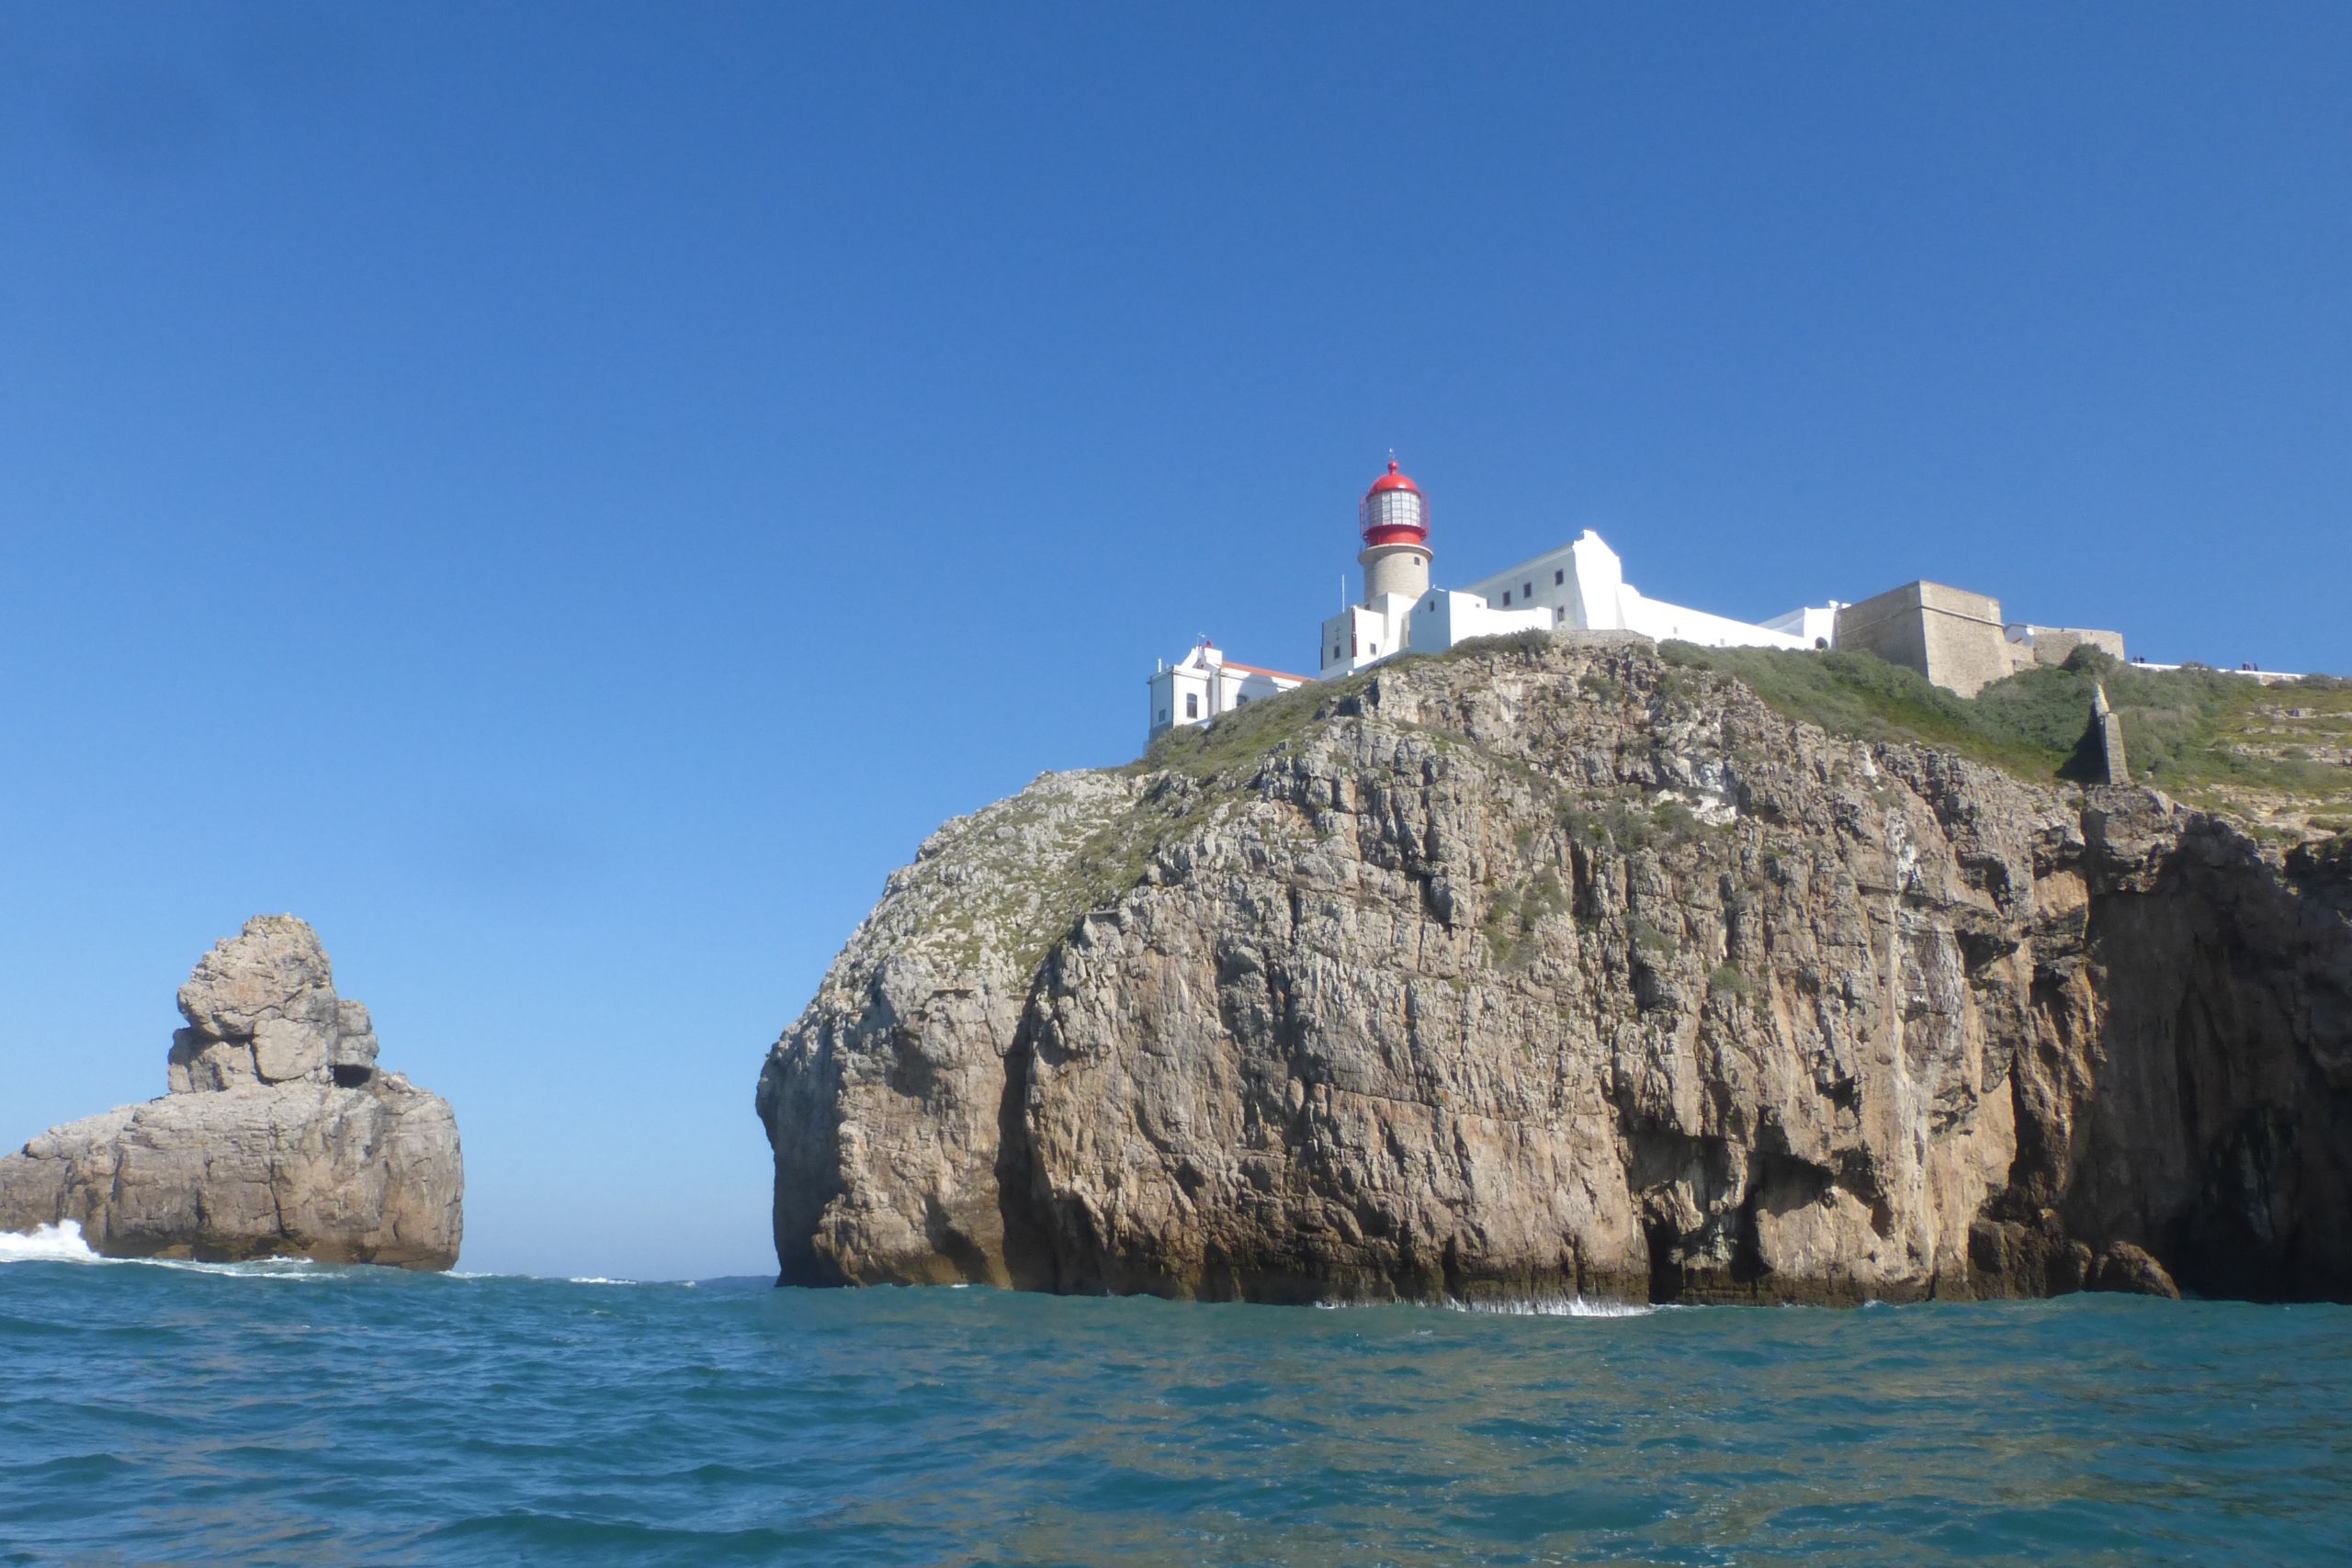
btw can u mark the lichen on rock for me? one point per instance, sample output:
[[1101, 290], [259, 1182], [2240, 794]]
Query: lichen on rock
[[1553, 968]]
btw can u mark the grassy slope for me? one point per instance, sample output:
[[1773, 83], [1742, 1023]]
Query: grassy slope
[[2274, 754], [2278, 756]]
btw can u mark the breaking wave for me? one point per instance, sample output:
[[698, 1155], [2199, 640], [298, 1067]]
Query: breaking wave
[[59, 1242], [63, 1242]]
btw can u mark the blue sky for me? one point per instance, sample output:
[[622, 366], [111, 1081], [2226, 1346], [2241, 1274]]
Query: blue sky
[[566, 498]]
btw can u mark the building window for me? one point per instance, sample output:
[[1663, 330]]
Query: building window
[[1192, 705], [1163, 715], [1418, 561], [1375, 648], [1527, 591], [1355, 647], [1506, 595], [1244, 701], [1335, 650], [1559, 576]]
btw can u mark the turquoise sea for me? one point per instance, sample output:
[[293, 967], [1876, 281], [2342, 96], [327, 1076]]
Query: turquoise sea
[[280, 1413]]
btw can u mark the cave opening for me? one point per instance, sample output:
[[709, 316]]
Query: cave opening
[[1666, 1268]]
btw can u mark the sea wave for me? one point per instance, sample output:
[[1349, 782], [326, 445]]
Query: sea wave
[[63, 1242], [1543, 1306], [1556, 1307], [59, 1242], [301, 1269]]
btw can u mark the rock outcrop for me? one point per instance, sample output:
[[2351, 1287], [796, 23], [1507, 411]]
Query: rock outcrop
[[1557, 968], [279, 1136]]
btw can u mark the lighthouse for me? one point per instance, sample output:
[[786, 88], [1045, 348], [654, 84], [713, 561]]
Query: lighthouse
[[1396, 519], [1572, 588], [1575, 587]]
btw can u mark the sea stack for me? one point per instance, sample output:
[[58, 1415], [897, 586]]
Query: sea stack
[[279, 1136]]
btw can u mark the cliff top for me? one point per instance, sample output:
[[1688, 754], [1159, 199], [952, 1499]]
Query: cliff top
[[2277, 756]]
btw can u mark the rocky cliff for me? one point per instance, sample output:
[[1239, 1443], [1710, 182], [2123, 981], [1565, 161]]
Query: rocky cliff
[[279, 1136], [1555, 967]]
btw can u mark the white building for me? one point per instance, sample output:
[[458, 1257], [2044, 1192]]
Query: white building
[[1205, 683], [1580, 586]]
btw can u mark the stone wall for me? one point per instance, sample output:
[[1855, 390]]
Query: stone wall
[[2051, 645], [2105, 739], [1953, 637]]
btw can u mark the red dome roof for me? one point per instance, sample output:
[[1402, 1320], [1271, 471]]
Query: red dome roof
[[1393, 510]]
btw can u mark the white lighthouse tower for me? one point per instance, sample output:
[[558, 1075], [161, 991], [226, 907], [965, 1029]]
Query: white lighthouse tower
[[1394, 517]]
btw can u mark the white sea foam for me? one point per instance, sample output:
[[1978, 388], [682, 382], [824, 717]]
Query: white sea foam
[[62, 1243], [252, 1268], [598, 1280], [59, 1242], [1562, 1306], [1557, 1306]]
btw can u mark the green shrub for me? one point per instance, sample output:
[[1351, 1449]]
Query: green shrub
[[2191, 731], [1518, 910], [1677, 821]]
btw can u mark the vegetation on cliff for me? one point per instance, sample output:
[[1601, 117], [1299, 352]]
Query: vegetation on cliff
[[2278, 755]]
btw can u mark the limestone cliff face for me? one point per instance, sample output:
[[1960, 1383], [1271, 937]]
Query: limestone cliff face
[[279, 1137], [1556, 968]]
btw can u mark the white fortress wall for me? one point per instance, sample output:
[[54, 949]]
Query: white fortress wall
[[1655, 618], [1583, 585], [1815, 625], [1445, 618]]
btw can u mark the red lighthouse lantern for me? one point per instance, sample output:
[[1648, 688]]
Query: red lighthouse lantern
[[1393, 510], [1396, 519]]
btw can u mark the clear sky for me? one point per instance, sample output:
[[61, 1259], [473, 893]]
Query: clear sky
[[565, 498]]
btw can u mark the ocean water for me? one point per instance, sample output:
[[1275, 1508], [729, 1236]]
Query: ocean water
[[282, 1412]]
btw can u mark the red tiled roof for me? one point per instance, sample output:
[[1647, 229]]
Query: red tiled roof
[[1254, 670]]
